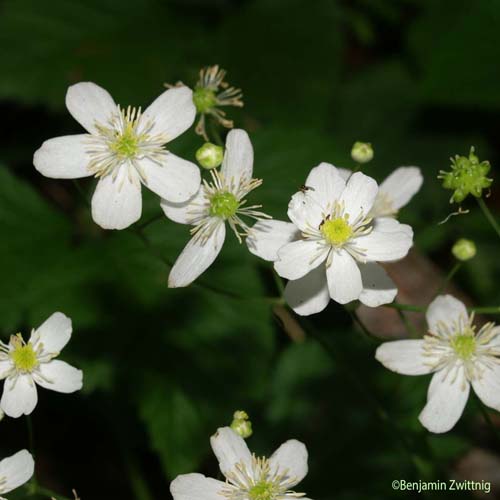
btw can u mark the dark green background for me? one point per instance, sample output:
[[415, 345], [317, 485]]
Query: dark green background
[[164, 368]]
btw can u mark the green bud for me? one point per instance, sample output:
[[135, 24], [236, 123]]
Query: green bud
[[464, 249], [210, 155], [204, 99], [467, 176], [362, 152], [241, 424]]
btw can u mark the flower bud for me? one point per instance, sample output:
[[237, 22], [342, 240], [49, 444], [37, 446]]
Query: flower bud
[[464, 249], [210, 155], [467, 176], [241, 424], [362, 152]]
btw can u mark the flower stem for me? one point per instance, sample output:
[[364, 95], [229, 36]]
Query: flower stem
[[448, 278], [489, 216], [405, 307], [487, 419], [146, 223], [81, 192]]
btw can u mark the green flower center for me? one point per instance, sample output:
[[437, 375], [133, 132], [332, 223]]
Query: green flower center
[[126, 144], [204, 99], [337, 231], [223, 205], [24, 357], [464, 345], [262, 491]]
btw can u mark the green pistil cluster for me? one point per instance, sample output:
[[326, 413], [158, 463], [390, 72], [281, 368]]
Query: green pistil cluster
[[467, 176], [337, 231], [126, 144], [224, 205], [204, 99], [464, 345], [23, 355], [262, 491]]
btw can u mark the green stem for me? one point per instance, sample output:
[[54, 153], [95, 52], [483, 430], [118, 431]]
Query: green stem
[[408, 325], [488, 215], [487, 419], [33, 488], [146, 223], [355, 318], [485, 310], [405, 307], [448, 278]]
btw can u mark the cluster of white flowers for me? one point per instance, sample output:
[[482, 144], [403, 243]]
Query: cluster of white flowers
[[342, 229]]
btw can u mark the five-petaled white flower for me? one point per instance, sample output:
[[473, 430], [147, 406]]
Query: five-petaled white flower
[[394, 192], [332, 246], [457, 355], [15, 471], [218, 202], [124, 148], [23, 365], [247, 477]]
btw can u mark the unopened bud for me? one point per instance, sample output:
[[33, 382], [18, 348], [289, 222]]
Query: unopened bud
[[464, 249], [210, 155], [241, 424], [362, 152]]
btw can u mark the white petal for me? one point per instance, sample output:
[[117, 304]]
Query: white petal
[[185, 213], [5, 367], [290, 459], [19, 396], [176, 180], [196, 487], [17, 470], [90, 104], [325, 184], [389, 240], [344, 277], [63, 157], [446, 403], [378, 288], [230, 450], [404, 356], [402, 185], [344, 173], [297, 258], [117, 204], [309, 294], [54, 333], [359, 195], [488, 386], [197, 257], [58, 376], [305, 212], [448, 310], [267, 236], [238, 158], [170, 114]]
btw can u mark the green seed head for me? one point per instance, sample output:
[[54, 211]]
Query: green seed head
[[262, 491], [362, 152], [223, 205], [204, 99], [336, 231], [23, 356], [464, 345], [241, 424], [467, 176], [464, 249], [210, 155]]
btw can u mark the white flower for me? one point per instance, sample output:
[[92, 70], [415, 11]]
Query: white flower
[[247, 477], [394, 192], [123, 149], [23, 365], [218, 202], [15, 471], [332, 246], [457, 355]]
